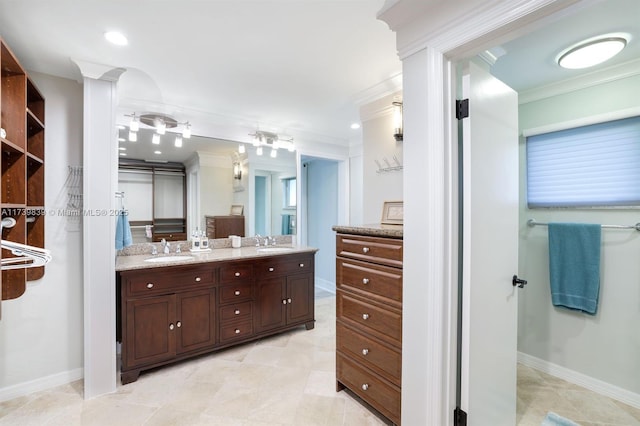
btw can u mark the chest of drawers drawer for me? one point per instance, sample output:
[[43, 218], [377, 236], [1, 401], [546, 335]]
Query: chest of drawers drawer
[[139, 284], [283, 266], [236, 311], [383, 251], [235, 330], [239, 292], [367, 278], [236, 272], [370, 353], [366, 316]]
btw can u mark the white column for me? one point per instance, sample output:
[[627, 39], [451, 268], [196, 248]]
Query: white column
[[428, 243], [100, 168]]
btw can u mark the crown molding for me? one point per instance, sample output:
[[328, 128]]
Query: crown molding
[[386, 87]]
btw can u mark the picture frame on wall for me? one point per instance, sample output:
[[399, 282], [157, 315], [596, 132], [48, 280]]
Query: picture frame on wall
[[392, 213], [236, 210]]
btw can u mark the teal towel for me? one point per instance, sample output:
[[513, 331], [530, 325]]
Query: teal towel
[[123, 231], [574, 265], [552, 419]]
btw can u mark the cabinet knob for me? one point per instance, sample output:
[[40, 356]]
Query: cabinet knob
[[179, 324], [237, 331], [237, 312], [271, 269], [284, 301], [365, 281], [302, 265], [365, 386], [149, 285], [289, 300], [237, 292], [365, 316], [198, 279], [365, 352], [237, 274], [365, 249], [171, 326]]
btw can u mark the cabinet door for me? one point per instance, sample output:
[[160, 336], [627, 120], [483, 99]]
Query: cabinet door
[[150, 333], [195, 320], [271, 303], [300, 298]]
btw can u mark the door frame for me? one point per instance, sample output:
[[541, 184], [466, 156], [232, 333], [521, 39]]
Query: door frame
[[431, 38]]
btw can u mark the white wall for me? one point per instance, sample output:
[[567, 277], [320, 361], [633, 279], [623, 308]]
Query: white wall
[[41, 340], [322, 214], [378, 143], [216, 187], [605, 346]]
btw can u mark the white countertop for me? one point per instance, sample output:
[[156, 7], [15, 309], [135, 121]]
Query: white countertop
[[130, 262]]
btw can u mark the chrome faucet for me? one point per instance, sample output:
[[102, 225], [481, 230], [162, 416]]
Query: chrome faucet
[[154, 250], [270, 241], [257, 237], [166, 246]]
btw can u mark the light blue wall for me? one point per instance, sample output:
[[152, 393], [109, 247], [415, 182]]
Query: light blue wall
[[322, 214], [261, 201], [605, 346]]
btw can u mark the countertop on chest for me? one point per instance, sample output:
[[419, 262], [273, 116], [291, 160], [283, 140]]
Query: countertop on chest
[[130, 262], [373, 230]]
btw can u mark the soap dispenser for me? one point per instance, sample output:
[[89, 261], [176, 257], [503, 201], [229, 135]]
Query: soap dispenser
[[204, 241], [195, 240]]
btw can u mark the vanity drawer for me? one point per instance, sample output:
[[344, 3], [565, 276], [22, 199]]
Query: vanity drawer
[[236, 272], [369, 278], [161, 281], [385, 251], [236, 311], [236, 292], [382, 395], [284, 265], [235, 331], [369, 352], [369, 317]]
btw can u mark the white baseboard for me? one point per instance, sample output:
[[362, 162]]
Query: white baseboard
[[325, 285], [595, 385], [40, 384]]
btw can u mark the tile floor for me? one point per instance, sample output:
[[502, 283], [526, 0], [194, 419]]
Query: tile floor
[[283, 380]]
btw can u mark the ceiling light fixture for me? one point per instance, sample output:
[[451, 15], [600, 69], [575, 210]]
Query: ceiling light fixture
[[271, 140], [178, 142], [133, 136], [155, 139], [592, 51], [160, 123], [355, 126], [116, 38]]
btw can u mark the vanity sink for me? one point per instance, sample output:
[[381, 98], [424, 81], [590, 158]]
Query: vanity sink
[[165, 259], [273, 249]]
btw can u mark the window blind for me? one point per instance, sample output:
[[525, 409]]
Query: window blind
[[588, 166]]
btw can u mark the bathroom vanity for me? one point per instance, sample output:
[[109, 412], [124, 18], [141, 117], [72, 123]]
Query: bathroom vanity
[[369, 315], [170, 310]]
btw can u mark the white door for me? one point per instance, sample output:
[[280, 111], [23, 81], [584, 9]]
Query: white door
[[490, 250]]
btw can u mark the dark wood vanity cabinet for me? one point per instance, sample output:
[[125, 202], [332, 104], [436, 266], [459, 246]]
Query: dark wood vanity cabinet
[[172, 313], [369, 320], [223, 226]]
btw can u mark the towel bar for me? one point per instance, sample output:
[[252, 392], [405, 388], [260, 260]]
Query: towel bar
[[532, 222]]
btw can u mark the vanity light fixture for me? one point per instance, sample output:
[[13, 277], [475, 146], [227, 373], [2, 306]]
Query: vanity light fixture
[[133, 136], [274, 153], [592, 51], [241, 149], [134, 124], [271, 140], [259, 150], [237, 171], [397, 121], [155, 139], [178, 142], [160, 123]]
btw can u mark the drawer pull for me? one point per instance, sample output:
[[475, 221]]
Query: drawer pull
[[149, 285], [237, 274], [302, 265], [237, 292], [284, 301], [237, 312], [237, 331], [365, 386], [171, 326], [289, 300], [365, 281], [198, 279], [365, 249], [365, 316], [179, 324], [271, 269], [365, 352]]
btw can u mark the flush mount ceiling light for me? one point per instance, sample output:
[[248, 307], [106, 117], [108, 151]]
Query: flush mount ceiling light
[[160, 123], [592, 51], [271, 140], [116, 38]]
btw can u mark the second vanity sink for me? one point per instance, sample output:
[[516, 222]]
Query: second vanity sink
[[165, 259], [273, 249]]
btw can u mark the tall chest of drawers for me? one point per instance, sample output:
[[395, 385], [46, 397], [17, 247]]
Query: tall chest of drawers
[[369, 319]]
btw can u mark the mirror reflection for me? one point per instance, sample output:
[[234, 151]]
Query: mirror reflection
[[204, 187]]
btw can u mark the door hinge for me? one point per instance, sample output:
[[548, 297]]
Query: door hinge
[[459, 417], [462, 109]]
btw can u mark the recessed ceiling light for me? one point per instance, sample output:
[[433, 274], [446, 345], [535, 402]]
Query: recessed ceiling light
[[121, 139], [592, 51], [122, 148], [116, 38], [120, 127], [355, 126], [123, 154], [157, 152]]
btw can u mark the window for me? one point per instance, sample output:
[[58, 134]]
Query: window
[[588, 166], [289, 191]]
